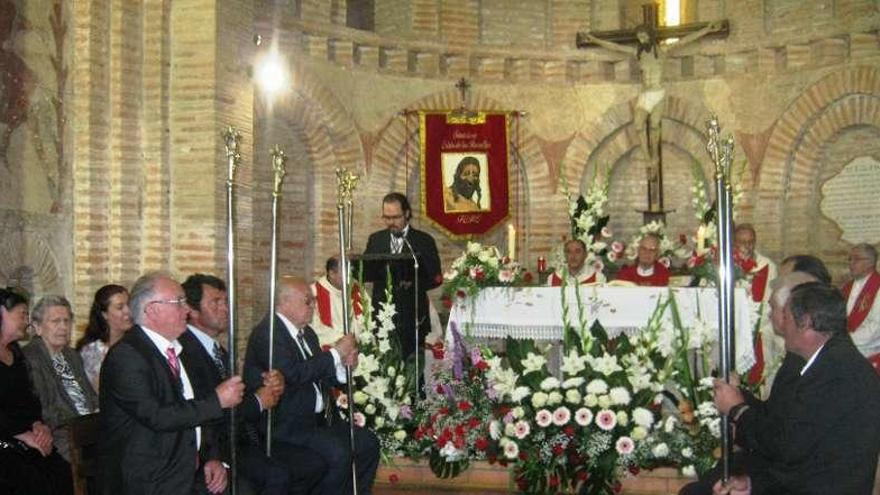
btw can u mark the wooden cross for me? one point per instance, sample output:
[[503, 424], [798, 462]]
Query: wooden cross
[[651, 21], [649, 109], [463, 86]]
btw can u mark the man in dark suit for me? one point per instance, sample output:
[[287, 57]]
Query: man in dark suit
[[819, 431], [151, 434], [208, 319], [401, 238], [301, 419]]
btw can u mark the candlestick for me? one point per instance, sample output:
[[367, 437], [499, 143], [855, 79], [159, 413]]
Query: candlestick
[[511, 241]]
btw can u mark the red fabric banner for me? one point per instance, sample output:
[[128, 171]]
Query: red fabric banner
[[465, 188]]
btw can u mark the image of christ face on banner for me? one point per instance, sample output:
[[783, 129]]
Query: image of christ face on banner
[[465, 182]]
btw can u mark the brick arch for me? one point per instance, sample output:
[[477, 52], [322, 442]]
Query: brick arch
[[325, 127], [788, 178], [612, 143], [614, 137], [399, 143]]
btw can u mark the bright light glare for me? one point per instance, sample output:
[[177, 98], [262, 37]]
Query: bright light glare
[[672, 12], [271, 73]]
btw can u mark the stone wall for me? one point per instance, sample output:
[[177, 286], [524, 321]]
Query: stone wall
[[114, 162]]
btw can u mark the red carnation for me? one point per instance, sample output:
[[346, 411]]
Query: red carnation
[[438, 350], [464, 406], [569, 431], [481, 444], [558, 449], [474, 422]]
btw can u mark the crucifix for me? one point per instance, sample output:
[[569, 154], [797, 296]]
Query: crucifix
[[463, 86], [652, 43]]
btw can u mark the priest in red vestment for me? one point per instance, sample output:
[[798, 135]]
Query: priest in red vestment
[[576, 271], [862, 308], [328, 316], [646, 271], [769, 347]]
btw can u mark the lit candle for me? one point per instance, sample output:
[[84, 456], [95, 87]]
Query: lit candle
[[511, 241]]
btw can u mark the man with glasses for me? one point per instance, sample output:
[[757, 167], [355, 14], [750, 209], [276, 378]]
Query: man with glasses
[[304, 417], [151, 435], [647, 270], [862, 310], [399, 237]]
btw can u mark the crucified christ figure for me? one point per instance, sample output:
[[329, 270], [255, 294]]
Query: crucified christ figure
[[651, 103]]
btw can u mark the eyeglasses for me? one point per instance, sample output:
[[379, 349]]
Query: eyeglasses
[[180, 302]]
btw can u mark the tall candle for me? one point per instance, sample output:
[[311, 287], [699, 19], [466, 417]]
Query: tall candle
[[511, 241]]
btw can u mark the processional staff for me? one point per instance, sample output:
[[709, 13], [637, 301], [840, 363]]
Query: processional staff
[[232, 140], [721, 151], [346, 182], [279, 161]]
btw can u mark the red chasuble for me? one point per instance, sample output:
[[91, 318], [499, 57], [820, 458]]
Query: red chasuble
[[660, 277]]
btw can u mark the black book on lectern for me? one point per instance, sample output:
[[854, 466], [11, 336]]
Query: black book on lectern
[[374, 265]]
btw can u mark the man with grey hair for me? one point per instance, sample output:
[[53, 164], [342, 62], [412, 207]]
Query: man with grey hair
[[151, 441], [818, 432], [862, 309]]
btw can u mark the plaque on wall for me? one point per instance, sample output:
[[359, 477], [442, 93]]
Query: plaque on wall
[[850, 199]]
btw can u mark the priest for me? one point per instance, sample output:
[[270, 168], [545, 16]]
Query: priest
[[328, 317], [862, 308], [647, 270], [575, 271]]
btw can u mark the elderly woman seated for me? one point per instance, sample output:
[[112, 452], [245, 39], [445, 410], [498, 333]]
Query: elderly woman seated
[[56, 370], [28, 462]]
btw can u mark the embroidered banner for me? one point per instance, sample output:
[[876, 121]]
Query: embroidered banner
[[465, 186]]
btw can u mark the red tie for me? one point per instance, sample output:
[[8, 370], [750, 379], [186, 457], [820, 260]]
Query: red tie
[[173, 363]]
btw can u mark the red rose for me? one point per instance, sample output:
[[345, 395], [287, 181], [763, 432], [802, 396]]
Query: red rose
[[393, 478], [569, 431], [438, 388], [481, 444], [461, 294], [502, 411], [553, 481], [464, 406], [474, 422], [558, 450], [443, 410], [634, 470], [583, 475], [482, 366]]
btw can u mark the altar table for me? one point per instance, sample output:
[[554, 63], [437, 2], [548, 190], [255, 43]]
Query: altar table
[[537, 312]]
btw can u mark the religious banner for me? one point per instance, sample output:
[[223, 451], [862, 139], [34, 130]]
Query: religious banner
[[465, 187]]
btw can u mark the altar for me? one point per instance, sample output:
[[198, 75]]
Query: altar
[[542, 313]]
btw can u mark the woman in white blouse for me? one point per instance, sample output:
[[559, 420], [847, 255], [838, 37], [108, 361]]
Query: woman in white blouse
[[109, 319]]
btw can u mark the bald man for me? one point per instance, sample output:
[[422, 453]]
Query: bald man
[[303, 419]]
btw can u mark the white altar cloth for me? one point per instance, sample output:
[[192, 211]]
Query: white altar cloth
[[537, 312]]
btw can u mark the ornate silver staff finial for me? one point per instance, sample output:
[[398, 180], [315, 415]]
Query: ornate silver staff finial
[[232, 139], [279, 164]]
